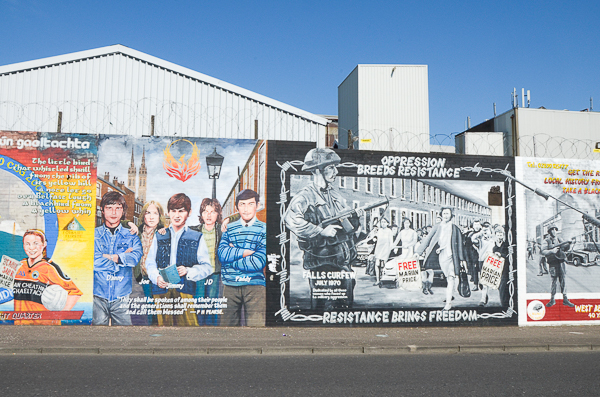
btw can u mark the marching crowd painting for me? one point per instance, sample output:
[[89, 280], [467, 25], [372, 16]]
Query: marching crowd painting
[[361, 244], [117, 230]]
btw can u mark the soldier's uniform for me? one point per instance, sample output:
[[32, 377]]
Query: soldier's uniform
[[556, 265], [307, 210]]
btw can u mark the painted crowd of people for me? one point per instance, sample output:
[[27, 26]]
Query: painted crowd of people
[[443, 247], [215, 268]]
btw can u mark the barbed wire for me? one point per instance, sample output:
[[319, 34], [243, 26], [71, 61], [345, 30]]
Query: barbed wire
[[543, 145], [166, 118], [197, 120], [474, 143]]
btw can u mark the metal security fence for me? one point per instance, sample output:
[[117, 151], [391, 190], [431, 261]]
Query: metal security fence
[[542, 145], [391, 139], [474, 143], [151, 117]]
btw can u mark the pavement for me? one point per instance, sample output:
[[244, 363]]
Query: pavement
[[294, 340]]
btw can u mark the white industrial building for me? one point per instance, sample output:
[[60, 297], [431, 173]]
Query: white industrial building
[[118, 90], [534, 133], [385, 107]]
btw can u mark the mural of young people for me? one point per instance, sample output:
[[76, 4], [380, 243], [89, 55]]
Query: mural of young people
[[184, 199], [390, 239]]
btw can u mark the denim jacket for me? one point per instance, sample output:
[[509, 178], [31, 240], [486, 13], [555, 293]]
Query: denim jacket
[[113, 280]]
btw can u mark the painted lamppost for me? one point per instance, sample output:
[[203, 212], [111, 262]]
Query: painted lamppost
[[214, 161]]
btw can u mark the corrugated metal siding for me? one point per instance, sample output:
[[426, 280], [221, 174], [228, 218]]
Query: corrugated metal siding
[[394, 100], [503, 123], [558, 133], [579, 125], [118, 94], [348, 108], [551, 133], [484, 143]]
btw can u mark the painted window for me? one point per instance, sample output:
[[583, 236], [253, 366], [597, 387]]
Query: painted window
[[342, 182]]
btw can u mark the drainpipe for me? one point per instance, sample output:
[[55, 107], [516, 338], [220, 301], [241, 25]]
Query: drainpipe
[[515, 133]]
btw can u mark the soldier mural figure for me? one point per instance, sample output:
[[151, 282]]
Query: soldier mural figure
[[326, 230], [554, 250]]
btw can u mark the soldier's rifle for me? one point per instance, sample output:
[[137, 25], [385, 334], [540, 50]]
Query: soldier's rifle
[[564, 245], [343, 217], [546, 196]]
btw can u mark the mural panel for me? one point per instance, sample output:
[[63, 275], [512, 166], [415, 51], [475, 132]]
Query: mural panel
[[389, 239], [46, 227], [559, 245], [180, 232]]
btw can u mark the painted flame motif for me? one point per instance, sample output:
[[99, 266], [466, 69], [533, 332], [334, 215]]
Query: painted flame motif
[[181, 169]]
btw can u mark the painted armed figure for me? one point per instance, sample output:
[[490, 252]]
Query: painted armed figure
[[553, 249], [328, 243]]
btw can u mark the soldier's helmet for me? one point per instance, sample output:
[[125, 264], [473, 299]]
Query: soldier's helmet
[[320, 158]]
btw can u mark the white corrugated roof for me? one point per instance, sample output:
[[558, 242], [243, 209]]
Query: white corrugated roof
[[121, 49]]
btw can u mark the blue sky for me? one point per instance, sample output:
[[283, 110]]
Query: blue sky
[[114, 157], [299, 52]]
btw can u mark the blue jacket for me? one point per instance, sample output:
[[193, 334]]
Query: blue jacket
[[113, 280]]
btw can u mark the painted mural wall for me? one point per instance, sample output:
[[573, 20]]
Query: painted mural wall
[[189, 246], [389, 239], [118, 230], [47, 210], [559, 245], [114, 230]]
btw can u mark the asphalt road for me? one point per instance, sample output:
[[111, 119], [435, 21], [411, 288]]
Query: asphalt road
[[531, 374]]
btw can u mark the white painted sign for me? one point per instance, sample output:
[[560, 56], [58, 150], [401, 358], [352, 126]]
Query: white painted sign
[[8, 271], [409, 273], [491, 271]]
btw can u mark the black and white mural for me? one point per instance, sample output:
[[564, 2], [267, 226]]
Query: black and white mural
[[389, 239], [559, 245]]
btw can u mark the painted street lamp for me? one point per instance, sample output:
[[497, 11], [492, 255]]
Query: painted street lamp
[[214, 161]]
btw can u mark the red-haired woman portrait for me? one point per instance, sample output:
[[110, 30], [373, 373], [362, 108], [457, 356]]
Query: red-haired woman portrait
[[40, 284]]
